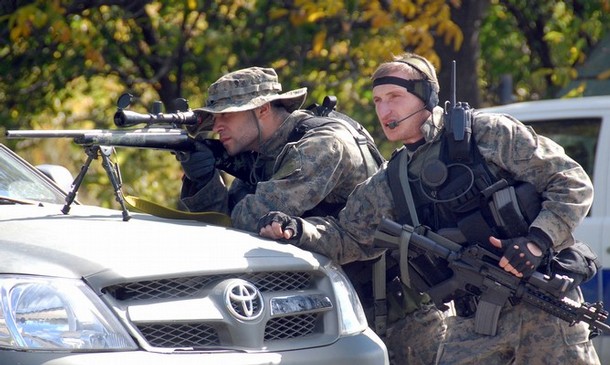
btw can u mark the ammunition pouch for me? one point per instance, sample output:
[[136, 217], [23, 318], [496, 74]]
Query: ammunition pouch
[[400, 300]]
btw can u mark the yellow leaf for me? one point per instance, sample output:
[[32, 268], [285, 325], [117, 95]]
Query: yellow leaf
[[278, 13], [313, 17], [605, 75], [297, 18], [318, 42], [15, 33], [554, 37]]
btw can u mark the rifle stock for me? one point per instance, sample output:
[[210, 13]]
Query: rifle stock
[[476, 271]]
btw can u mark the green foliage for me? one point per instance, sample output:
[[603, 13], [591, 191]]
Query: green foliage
[[64, 63], [539, 43]]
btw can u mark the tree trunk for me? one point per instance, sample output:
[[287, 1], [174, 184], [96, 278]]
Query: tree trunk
[[468, 17]]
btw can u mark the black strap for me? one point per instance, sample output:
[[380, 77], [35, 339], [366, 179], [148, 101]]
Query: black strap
[[415, 86], [401, 207]]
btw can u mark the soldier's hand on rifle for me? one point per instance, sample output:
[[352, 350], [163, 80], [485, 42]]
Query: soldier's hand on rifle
[[199, 166], [522, 255], [280, 226]]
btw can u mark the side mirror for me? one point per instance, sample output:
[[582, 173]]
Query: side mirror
[[59, 174]]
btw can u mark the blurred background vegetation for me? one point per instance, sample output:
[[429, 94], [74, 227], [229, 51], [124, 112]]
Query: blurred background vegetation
[[65, 63]]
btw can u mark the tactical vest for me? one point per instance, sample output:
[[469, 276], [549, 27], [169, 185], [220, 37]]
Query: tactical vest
[[326, 114], [246, 165], [455, 194], [371, 155]]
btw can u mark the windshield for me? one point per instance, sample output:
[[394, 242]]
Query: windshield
[[20, 181]]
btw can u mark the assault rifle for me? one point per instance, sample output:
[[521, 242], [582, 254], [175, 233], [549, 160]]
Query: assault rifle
[[164, 131], [475, 271]]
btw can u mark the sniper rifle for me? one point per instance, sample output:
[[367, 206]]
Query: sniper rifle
[[173, 132], [164, 131]]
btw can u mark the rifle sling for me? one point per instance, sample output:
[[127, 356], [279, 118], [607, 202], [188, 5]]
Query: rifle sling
[[379, 287], [379, 268], [403, 174], [405, 237]]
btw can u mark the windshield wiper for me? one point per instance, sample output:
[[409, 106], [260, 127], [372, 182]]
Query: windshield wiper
[[4, 200]]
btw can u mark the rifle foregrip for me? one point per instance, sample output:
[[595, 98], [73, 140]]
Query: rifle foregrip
[[390, 227]]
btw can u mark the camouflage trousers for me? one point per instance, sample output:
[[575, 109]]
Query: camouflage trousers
[[414, 339], [526, 335]]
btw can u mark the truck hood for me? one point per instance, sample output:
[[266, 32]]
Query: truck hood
[[96, 244]]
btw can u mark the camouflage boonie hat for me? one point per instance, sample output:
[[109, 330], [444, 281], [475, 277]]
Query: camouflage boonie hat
[[247, 89]]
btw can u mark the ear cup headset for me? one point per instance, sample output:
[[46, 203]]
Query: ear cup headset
[[426, 88]]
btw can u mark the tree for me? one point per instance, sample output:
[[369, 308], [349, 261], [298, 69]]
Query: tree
[[468, 16], [65, 63], [539, 44]]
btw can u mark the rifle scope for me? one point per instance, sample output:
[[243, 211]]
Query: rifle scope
[[127, 118]]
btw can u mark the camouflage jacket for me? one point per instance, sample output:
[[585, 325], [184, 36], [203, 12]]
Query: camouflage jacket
[[325, 165], [508, 147]]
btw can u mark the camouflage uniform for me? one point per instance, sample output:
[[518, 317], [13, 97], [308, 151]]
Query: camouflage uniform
[[312, 176], [525, 334], [323, 166]]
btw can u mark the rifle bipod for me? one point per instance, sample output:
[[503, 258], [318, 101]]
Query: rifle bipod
[[112, 170]]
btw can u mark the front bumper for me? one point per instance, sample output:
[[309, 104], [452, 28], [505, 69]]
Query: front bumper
[[362, 349]]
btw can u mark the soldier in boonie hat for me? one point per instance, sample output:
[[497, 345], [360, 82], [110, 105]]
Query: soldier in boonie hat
[[244, 90], [280, 156], [250, 117]]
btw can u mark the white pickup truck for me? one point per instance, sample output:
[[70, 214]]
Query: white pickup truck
[[582, 127]]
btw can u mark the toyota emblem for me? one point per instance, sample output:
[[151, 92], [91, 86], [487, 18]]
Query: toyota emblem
[[244, 301]]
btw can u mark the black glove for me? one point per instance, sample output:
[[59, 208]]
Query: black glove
[[286, 221], [520, 257], [217, 148], [241, 165], [198, 166]]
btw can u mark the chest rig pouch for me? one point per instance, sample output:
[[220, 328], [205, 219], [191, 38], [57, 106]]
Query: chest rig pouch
[[453, 187]]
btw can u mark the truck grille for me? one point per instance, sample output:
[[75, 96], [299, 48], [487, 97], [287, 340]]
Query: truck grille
[[199, 334], [202, 335], [180, 335], [176, 288], [290, 327]]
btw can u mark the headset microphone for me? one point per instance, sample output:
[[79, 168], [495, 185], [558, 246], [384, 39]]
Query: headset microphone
[[395, 123]]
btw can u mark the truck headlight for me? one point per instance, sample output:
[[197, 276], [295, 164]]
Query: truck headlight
[[351, 315], [38, 313]]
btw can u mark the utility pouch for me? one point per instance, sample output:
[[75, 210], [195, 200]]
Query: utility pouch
[[403, 300], [578, 262], [514, 208]]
